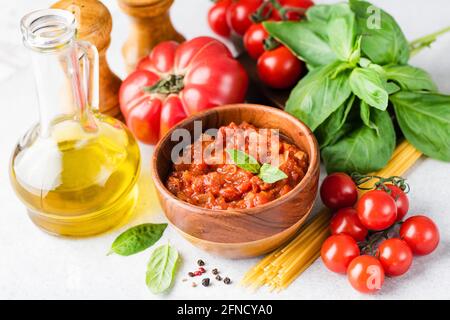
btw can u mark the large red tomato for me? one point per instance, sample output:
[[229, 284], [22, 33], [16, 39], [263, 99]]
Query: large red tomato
[[177, 80]]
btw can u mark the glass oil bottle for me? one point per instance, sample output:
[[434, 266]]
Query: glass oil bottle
[[75, 170]]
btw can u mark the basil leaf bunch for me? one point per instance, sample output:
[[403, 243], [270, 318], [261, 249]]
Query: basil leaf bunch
[[266, 172], [359, 80]]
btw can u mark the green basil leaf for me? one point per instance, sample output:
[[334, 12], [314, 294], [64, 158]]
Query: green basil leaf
[[318, 95], [391, 88], [410, 78], [301, 39], [341, 33], [365, 116], [424, 119], [364, 62], [244, 160], [161, 268], [369, 87], [363, 150], [334, 127], [137, 238], [383, 41], [355, 56], [271, 174], [322, 13]]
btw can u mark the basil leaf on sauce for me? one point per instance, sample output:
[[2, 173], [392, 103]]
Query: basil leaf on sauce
[[244, 160], [137, 238], [271, 174], [161, 268], [266, 172]]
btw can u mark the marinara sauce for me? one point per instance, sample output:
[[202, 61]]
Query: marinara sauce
[[204, 176]]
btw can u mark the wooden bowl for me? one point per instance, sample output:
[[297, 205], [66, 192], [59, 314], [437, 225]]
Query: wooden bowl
[[240, 233]]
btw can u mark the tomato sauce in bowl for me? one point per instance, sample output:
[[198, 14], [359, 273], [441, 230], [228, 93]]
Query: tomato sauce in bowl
[[205, 176]]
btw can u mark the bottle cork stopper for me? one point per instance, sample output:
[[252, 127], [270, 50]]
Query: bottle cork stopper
[[150, 25], [95, 25]]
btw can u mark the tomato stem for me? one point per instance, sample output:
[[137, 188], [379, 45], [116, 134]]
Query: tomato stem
[[361, 179], [270, 43], [284, 10], [172, 84], [370, 245], [261, 14]]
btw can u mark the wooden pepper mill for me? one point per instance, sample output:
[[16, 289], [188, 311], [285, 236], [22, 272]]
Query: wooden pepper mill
[[150, 24], [95, 25]]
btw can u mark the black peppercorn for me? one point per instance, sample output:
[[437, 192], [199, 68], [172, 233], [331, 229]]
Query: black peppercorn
[[215, 271], [226, 280], [218, 278], [190, 274], [205, 282], [200, 262]]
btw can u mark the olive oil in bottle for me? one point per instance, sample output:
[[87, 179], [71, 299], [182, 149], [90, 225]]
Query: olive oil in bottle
[[76, 170]]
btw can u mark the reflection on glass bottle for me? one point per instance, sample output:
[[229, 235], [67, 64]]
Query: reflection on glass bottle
[[75, 170]]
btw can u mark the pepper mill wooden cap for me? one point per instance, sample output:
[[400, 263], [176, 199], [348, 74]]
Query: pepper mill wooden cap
[[145, 8], [150, 25], [94, 25]]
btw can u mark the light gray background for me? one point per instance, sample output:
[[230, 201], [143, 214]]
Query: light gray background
[[36, 265]]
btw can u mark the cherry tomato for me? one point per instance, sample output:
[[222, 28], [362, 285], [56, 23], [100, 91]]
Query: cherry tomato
[[346, 221], [217, 18], [254, 40], [365, 274], [421, 234], [401, 200], [337, 252], [295, 9], [239, 13], [279, 68], [376, 210], [338, 191], [395, 256]]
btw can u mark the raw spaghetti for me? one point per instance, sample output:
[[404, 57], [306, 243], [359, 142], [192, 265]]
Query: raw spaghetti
[[279, 268]]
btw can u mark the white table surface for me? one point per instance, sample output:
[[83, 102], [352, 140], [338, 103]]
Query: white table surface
[[34, 265]]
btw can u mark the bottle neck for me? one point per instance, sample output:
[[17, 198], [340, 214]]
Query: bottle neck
[[50, 36], [54, 77]]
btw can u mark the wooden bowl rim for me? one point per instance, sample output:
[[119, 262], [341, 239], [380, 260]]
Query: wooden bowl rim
[[313, 161]]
